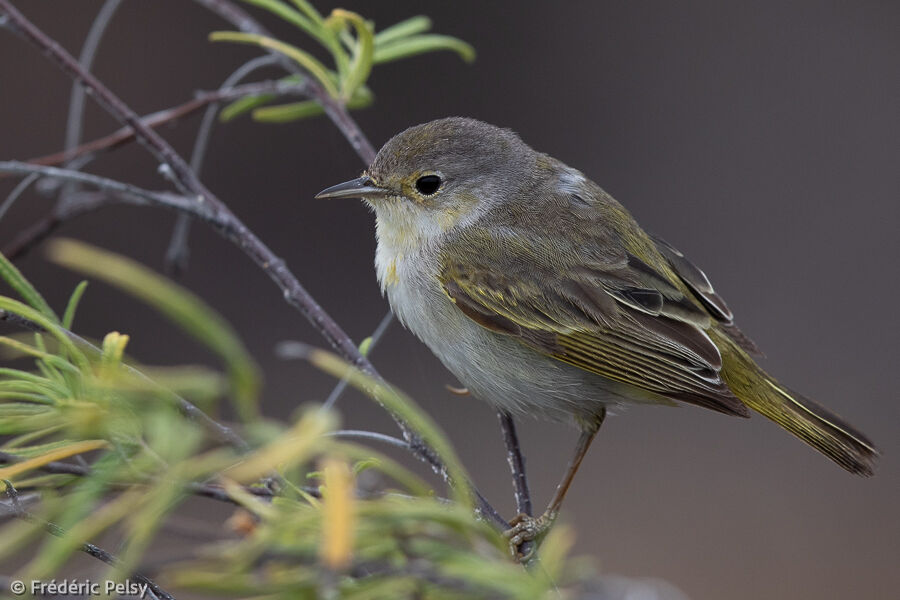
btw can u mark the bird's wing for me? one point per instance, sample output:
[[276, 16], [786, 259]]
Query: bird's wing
[[699, 284], [619, 318]]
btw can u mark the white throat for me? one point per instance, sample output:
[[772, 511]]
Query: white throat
[[405, 231]]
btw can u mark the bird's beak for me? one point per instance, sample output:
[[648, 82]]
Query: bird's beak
[[361, 187]]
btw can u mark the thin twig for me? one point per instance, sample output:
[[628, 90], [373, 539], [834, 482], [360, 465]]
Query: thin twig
[[201, 100], [375, 338], [370, 435], [90, 549], [17, 191], [86, 60]]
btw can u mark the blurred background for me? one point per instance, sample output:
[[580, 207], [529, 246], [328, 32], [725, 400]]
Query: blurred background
[[762, 139]]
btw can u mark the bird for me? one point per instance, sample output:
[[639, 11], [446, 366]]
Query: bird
[[544, 297]]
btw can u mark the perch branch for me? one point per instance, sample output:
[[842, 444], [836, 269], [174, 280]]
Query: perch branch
[[516, 463], [517, 467]]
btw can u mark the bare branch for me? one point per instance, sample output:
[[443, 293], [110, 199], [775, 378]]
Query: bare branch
[[86, 59], [376, 337]]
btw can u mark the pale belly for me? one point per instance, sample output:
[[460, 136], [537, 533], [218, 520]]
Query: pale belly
[[497, 368]]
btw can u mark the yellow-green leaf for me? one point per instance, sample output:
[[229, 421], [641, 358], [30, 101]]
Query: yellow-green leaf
[[12, 471], [420, 44]]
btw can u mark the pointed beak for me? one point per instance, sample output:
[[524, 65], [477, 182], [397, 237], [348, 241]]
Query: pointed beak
[[362, 187]]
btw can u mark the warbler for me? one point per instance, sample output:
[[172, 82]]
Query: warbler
[[544, 297]]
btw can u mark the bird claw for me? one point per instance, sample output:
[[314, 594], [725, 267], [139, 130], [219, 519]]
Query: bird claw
[[525, 528]]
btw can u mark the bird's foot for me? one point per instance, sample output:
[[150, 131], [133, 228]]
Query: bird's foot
[[524, 529]]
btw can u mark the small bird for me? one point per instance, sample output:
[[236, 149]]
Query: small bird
[[544, 297]]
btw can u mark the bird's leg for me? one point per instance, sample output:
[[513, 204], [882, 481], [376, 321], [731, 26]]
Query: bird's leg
[[525, 528]]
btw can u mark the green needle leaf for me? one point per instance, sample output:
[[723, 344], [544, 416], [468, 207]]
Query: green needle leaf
[[284, 113], [361, 65], [72, 306], [420, 44], [23, 287], [411, 26], [309, 10]]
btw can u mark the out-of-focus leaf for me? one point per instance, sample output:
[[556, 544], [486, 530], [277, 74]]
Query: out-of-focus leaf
[[179, 305], [23, 287], [338, 514], [295, 446], [113, 348], [13, 471], [36, 450], [420, 44], [406, 28], [72, 306], [402, 406], [50, 324], [408, 480]]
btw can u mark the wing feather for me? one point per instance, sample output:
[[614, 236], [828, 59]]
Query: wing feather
[[627, 323]]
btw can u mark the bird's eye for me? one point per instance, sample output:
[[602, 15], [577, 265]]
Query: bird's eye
[[428, 184]]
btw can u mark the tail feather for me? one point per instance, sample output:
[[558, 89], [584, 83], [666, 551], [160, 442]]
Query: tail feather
[[811, 422]]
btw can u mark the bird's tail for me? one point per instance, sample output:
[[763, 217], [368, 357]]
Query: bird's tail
[[811, 422]]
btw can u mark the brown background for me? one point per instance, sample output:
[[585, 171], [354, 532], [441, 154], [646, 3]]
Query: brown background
[[760, 138]]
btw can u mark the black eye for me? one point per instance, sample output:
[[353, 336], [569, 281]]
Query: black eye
[[428, 184]]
